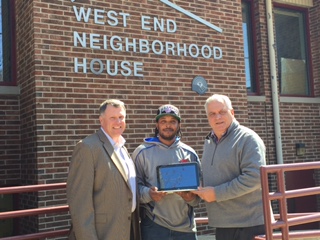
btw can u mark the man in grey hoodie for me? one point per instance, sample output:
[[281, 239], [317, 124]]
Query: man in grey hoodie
[[231, 163], [165, 216]]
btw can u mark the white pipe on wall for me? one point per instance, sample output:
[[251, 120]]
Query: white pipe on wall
[[274, 86]]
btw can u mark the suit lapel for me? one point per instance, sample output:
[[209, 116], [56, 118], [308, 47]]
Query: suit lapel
[[126, 152], [113, 156]]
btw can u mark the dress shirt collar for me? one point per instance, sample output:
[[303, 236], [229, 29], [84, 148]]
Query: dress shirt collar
[[115, 145]]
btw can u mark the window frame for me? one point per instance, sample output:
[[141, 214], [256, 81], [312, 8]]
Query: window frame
[[309, 67], [254, 79], [13, 73]]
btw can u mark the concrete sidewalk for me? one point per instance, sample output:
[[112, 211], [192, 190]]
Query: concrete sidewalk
[[206, 237], [212, 237]]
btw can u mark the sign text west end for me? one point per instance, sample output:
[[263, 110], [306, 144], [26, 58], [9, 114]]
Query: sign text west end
[[124, 44]]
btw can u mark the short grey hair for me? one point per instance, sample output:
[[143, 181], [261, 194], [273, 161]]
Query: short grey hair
[[114, 102], [218, 98]]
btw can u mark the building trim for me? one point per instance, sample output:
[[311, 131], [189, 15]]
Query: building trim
[[9, 90], [300, 3], [256, 98], [299, 100]]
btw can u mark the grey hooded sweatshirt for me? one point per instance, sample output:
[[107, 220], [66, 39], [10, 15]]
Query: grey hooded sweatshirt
[[172, 211]]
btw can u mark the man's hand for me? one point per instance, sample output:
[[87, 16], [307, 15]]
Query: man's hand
[[206, 193], [187, 196], [155, 195]]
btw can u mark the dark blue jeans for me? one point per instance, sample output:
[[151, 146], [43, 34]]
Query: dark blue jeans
[[153, 231]]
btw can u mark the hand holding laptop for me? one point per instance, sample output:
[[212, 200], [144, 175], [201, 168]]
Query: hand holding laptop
[[187, 195], [156, 195], [206, 193]]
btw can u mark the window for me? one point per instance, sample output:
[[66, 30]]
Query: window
[[292, 51], [7, 56], [251, 81]]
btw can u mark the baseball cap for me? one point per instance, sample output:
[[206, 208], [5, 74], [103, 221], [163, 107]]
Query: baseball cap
[[168, 109]]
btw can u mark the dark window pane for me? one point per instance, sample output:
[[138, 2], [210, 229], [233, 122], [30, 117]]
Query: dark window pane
[[248, 47], [5, 42]]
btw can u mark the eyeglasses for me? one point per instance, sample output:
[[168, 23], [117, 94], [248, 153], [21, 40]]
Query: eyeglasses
[[220, 114]]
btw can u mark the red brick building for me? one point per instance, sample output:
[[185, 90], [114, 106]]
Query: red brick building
[[62, 58]]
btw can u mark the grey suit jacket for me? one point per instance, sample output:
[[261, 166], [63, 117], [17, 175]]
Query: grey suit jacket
[[98, 193]]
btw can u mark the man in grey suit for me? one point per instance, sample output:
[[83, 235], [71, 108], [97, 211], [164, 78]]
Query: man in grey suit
[[101, 185]]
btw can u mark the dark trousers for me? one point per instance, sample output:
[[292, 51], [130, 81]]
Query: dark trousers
[[247, 233], [152, 231], [131, 232]]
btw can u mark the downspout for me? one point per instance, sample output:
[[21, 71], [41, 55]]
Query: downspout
[[274, 88]]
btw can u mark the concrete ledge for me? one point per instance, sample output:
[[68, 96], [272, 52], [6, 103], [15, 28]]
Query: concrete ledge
[[206, 237], [9, 90]]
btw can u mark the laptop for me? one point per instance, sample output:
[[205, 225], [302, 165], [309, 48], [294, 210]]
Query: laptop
[[178, 177]]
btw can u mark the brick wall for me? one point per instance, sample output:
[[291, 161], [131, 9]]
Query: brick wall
[[59, 106], [67, 102], [9, 141], [299, 121], [300, 124], [27, 105], [315, 46], [315, 26]]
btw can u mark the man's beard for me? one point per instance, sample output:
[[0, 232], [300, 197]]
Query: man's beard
[[168, 137]]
